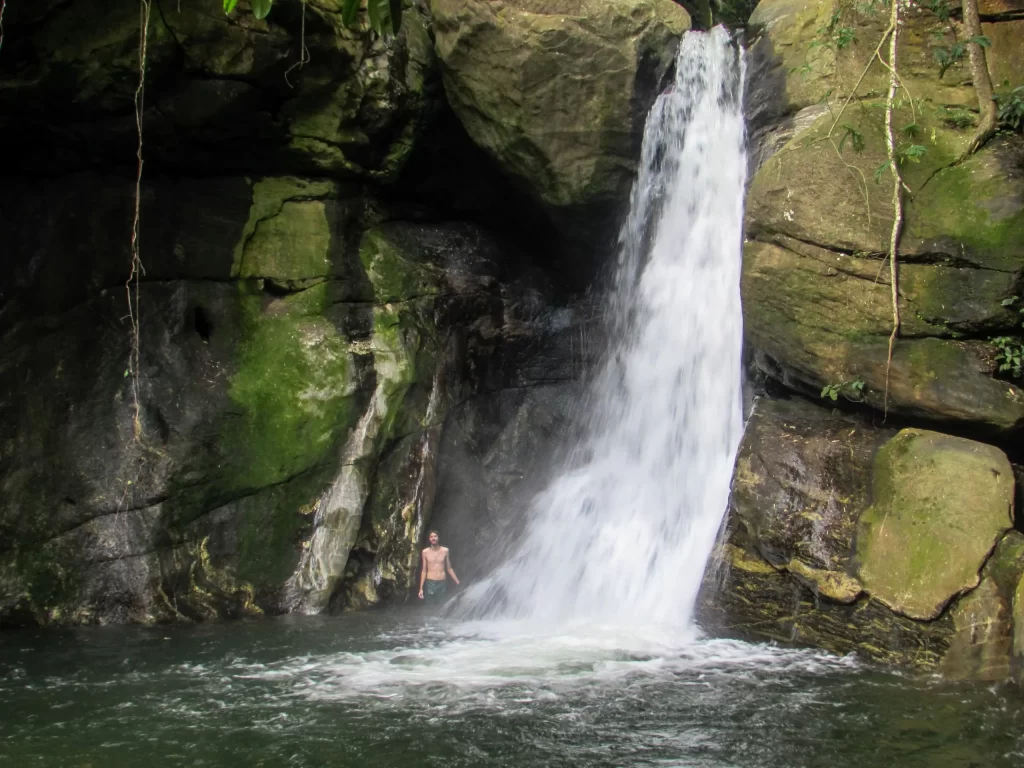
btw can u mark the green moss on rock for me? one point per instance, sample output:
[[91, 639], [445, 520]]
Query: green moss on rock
[[973, 211], [940, 503], [287, 236], [820, 189], [293, 384], [395, 277], [821, 318]]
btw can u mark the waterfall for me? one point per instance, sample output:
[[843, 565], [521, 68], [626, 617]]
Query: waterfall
[[624, 532]]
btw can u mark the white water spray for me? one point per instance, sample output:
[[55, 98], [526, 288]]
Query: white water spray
[[624, 533]]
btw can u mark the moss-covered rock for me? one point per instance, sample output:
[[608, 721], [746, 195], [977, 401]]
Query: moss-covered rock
[[845, 536], [395, 271], [287, 238], [294, 384], [818, 52], [822, 187], [973, 212], [816, 317], [926, 536], [819, 208], [555, 91]]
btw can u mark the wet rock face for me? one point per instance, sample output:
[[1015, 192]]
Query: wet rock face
[[299, 357], [815, 288], [346, 305], [221, 92], [503, 443], [859, 539], [872, 532]]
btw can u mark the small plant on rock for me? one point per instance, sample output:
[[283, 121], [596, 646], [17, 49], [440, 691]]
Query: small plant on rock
[[1011, 355], [1011, 110], [854, 391]]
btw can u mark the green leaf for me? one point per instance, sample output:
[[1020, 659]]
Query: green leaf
[[126, 373], [981, 40], [913, 153], [834, 395], [349, 12], [880, 171], [1009, 302], [824, 390], [260, 8], [378, 11], [396, 15], [856, 138], [229, 5]]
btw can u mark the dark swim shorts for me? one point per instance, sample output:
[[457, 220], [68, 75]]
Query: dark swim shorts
[[435, 589]]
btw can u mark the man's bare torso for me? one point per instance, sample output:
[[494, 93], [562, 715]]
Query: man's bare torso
[[436, 560]]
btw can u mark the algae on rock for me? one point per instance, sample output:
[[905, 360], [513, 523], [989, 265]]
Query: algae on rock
[[940, 504], [845, 536]]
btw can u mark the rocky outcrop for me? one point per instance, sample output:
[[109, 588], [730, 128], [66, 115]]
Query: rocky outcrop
[[279, 363], [818, 221], [893, 541], [855, 538], [222, 93], [339, 312], [557, 92]]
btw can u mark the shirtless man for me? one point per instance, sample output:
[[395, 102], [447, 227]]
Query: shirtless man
[[435, 565]]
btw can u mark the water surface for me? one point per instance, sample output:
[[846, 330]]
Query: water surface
[[404, 688]]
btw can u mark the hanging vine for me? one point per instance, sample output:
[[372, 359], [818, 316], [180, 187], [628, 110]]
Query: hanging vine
[[897, 191], [303, 50], [3, 7], [135, 273]]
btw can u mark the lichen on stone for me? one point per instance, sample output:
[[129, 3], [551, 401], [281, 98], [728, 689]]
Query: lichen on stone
[[940, 504]]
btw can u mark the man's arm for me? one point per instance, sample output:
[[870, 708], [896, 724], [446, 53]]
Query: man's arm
[[448, 565], [423, 571]]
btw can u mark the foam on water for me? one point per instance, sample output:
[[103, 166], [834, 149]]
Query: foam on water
[[507, 662], [624, 533]]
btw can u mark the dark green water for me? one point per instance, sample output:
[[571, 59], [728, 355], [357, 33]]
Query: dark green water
[[405, 689]]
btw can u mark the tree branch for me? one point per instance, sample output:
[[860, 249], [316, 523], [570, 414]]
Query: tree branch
[[980, 77], [897, 193]]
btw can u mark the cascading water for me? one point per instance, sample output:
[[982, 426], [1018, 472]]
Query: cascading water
[[624, 533]]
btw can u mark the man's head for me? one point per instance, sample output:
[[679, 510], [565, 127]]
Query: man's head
[[433, 538]]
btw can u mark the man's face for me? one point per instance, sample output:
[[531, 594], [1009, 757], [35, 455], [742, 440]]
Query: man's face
[[433, 539]]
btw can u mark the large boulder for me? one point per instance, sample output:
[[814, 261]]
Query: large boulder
[[859, 539], [557, 90], [939, 505]]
